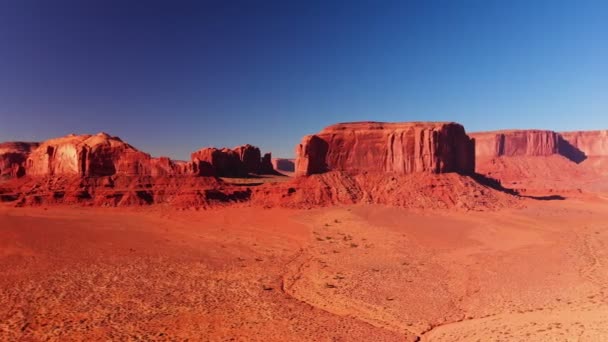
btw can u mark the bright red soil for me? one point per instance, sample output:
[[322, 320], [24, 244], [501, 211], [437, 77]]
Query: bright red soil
[[347, 273]]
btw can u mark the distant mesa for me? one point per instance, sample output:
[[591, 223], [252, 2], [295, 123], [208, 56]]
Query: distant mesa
[[541, 158], [516, 143], [284, 164], [240, 161], [431, 147]]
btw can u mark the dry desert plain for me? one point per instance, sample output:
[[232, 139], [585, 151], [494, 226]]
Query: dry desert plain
[[344, 273]]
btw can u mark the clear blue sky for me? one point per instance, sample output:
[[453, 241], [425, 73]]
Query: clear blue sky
[[172, 76]]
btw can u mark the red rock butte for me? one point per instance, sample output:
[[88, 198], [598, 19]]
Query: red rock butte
[[432, 147]]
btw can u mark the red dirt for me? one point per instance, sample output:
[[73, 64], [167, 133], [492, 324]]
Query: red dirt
[[363, 272]]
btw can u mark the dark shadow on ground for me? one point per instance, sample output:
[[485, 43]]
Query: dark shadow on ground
[[496, 185]]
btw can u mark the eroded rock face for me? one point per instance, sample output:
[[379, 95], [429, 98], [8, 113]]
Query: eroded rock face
[[225, 162], [591, 143], [387, 147], [516, 143], [266, 167], [87, 155], [13, 156], [250, 156], [217, 162]]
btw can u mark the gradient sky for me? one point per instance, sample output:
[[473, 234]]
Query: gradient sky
[[170, 77]]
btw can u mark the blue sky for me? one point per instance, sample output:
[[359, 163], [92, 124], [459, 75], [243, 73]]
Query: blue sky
[[173, 76]]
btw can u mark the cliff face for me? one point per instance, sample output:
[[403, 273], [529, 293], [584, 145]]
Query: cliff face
[[225, 162], [13, 156], [387, 147], [591, 143], [87, 155], [516, 143]]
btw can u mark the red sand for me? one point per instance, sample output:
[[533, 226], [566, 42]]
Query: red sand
[[355, 273]]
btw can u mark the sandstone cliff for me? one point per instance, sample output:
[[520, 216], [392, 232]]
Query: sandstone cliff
[[87, 155], [13, 156], [591, 143], [387, 147], [516, 143], [238, 162]]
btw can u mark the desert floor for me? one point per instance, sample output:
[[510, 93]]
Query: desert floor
[[359, 273]]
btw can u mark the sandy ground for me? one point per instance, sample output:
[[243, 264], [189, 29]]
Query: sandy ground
[[359, 273]]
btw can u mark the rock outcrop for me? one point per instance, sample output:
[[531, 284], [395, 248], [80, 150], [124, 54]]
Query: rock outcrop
[[87, 155], [516, 143], [238, 162], [266, 167], [211, 161], [591, 143], [13, 156], [387, 147]]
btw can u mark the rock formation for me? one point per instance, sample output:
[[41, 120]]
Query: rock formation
[[591, 143], [13, 156], [224, 162], [238, 162], [387, 147], [266, 167], [539, 159], [87, 155], [515, 143], [251, 158]]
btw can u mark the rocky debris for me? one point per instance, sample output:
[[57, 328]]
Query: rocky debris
[[415, 191], [13, 156], [163, 167], [284, 165], [404, 148]]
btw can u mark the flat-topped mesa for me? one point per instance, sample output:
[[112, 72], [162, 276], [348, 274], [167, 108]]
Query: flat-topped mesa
[[284, 164], [516, 143], [591, 143], [13, 156], [433, 147], [237, 162], [87, 155]]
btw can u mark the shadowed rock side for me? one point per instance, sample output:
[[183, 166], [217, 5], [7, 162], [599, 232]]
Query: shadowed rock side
[[590, 148], [238, 162], [387, 147], [284, 165], [13, 156], [591, 143]]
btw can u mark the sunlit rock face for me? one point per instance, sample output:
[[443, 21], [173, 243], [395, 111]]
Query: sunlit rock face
[[591, 143], [432, 147], [87, 155], [516, 143]]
